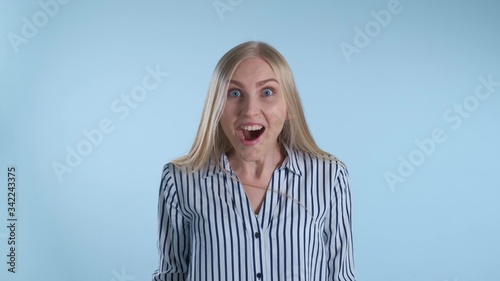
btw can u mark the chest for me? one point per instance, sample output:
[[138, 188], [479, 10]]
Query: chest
[[288, 204]]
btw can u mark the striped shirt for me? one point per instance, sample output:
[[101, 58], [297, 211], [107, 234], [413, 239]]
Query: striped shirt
[[208, 230]]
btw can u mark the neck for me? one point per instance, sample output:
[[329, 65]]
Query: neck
[[260, 167]]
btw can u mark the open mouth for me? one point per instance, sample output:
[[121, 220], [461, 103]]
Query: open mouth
[[251, 133]]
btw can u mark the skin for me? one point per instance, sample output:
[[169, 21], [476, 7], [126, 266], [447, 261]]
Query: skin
[[254, 97]]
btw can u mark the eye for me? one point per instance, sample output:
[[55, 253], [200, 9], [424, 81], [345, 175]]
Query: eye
[[268, 92], [235, 93]]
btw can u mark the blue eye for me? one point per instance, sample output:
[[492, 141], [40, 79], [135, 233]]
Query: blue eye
[[268, 92], [235, 93]]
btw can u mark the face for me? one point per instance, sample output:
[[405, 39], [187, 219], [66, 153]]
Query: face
[[255, 110]]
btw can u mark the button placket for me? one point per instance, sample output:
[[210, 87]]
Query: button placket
[[258, 247]]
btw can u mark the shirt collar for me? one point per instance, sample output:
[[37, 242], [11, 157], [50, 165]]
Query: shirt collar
[[290, 163]]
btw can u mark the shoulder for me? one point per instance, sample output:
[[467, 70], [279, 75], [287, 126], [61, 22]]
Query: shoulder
[[180, 176], [173, 180], [213, 166], [168, 169], [323, 162], [166, 178], [334, 171], [172, 169], [170, 175]]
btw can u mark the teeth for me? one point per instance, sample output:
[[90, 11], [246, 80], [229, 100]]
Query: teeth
[[251, 128]]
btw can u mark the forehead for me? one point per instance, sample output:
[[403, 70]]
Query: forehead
[[253, 68]]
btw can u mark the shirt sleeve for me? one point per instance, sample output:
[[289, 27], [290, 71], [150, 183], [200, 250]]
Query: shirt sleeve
[[173, 232], [338, 225]]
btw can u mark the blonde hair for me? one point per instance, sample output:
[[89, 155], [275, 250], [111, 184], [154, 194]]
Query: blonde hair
[[211, 142]]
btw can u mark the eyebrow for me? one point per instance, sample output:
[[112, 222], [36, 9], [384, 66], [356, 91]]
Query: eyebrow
[[260, 83]]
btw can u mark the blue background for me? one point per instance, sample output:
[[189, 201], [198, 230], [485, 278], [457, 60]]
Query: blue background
[[441, 222]]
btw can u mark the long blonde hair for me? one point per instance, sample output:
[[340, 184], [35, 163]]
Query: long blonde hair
[[211, 142]]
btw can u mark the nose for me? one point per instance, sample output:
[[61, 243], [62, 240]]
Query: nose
[[251, 106]]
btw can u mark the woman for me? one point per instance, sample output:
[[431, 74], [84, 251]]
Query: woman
[[255, 198]]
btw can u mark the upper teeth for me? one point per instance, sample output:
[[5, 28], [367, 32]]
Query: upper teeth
[[251, 128]]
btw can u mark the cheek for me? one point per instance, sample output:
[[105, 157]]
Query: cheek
[[279, 117], [226, 122], [280, 112], [230, 111]]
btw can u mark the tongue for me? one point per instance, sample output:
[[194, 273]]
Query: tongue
[[251, 135]]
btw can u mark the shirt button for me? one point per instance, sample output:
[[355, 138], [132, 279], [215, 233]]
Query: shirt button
[[259, 275], [257, 234]]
